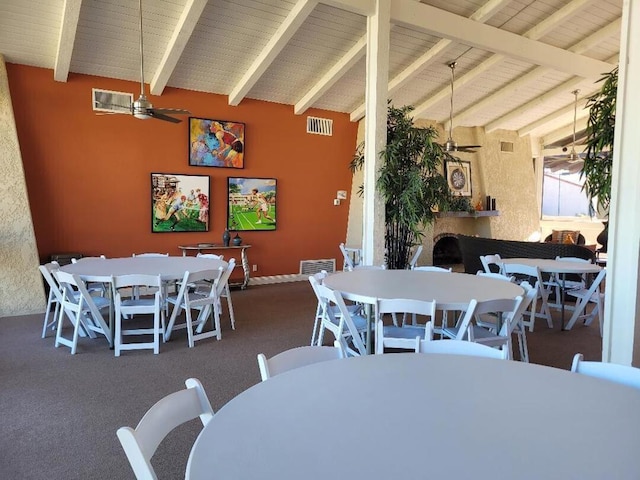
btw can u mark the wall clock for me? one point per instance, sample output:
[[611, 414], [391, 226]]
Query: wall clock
[[458, 175]]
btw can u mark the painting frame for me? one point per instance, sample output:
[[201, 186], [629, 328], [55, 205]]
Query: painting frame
[[216, 143], [180, 203], [458, 174], [251, 204]]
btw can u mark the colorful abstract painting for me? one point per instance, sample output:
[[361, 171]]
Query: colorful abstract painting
[[216, 143]]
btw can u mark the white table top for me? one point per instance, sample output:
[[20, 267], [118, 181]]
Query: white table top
[[416, 416], [549, 265], [170, 268], [455, 290]]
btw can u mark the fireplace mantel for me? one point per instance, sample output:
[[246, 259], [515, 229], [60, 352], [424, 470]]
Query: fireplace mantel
[[479, 213]]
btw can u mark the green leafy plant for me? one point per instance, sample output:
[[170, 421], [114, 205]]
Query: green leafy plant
[[410, 181], [598, 161]]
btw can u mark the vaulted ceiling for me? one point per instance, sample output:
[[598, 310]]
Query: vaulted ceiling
[[518, 61]]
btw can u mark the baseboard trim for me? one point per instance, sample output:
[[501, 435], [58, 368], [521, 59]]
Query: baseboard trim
[[272, 279]]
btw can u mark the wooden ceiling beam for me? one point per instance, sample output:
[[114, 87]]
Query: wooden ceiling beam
[[68, 27]]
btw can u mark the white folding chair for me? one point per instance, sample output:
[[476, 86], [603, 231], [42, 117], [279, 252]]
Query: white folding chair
[[165, 415], [54, 299], [350, 256], [296, 358], [497, 276], [202, 297], [165, 287], [223, 290], [506, 310], [413, 263], [83, 311], [456, 347], [626, 375], [354, 309], [534, 277], [584, 296], [152, 255], [557, 282], [491, 263], [211, 256], [93, 287], [127, 307], [349, 329], [392, 336]]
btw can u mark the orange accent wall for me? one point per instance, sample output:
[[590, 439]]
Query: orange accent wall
[[88, 175]]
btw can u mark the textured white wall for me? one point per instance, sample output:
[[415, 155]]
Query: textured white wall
[[508, 177], [21, 288]]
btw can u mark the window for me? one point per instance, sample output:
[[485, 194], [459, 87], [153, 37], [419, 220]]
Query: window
[[562, 195]]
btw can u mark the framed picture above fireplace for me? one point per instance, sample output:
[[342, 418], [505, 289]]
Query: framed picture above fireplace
[[458, 173]]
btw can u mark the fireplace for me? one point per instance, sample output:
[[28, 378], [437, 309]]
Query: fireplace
[[446, 250]]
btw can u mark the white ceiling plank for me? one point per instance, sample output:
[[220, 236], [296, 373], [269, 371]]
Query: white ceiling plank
[[439, 22], [294, 20], [181, 34], [564, 87], [70, 16], [552, 118], [332, 76], [361, 7], [565, 131], [580, 47], [533, 34], [481, 15]]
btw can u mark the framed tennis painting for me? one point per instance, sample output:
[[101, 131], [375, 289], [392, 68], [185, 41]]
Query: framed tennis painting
[[251, 203], [216, 143], [458, 174], [179, 203]]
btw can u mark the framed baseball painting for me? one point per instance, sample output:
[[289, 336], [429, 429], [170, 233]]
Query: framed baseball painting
[[179, 203], [251, 203]]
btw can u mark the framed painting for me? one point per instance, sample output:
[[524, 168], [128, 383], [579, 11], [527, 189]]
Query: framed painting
[[251, 203], [458, 173], [216, 143], [180, 203]]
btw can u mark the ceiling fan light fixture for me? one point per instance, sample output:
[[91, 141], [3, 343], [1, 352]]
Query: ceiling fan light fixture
[[573, 156], [451, 146]]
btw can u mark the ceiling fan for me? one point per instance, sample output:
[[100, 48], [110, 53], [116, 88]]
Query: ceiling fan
[[573, 157], [142, 108], [450, 145]]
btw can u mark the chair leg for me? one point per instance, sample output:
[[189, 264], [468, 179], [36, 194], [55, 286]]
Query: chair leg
[[230, 307]]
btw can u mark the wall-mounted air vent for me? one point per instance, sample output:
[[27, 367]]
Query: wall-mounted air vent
[[506, 147], [309, 267], [110, 101], [320, 126]]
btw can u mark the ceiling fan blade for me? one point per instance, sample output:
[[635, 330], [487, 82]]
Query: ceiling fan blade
[[172, 111], [465, 150], [469, 146], [161, 116]]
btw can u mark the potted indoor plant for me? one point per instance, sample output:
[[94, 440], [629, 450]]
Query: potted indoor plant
[[598, 160], [410, 181]]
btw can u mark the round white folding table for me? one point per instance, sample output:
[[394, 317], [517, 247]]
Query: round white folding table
[[169, 268], [423, 416], [453, 290]]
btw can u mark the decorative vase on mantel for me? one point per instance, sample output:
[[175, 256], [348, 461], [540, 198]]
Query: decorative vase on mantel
[[603, 237], [237, 240], [226, 238]]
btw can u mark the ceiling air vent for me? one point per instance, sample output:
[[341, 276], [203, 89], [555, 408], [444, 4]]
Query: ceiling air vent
[[109, 101], [320, 126], [506, 147]]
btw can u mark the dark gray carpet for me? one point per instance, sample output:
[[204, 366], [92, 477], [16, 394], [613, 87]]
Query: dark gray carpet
[[60, 412]]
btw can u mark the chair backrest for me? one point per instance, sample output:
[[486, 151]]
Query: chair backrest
[[497, 276], [507, 307], [295, 358], [222, 283], [135, 280], [339, 322], [573, 259], [403, 305], [530, 271], [150, 255], [47, 270], [76, 260], [212, 256], [513, 319], [168, 413], [70, 284], [431, 268], [613, 372], [206, 278], [347, 253], [458, 347], [489, 260], [416, 256]]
